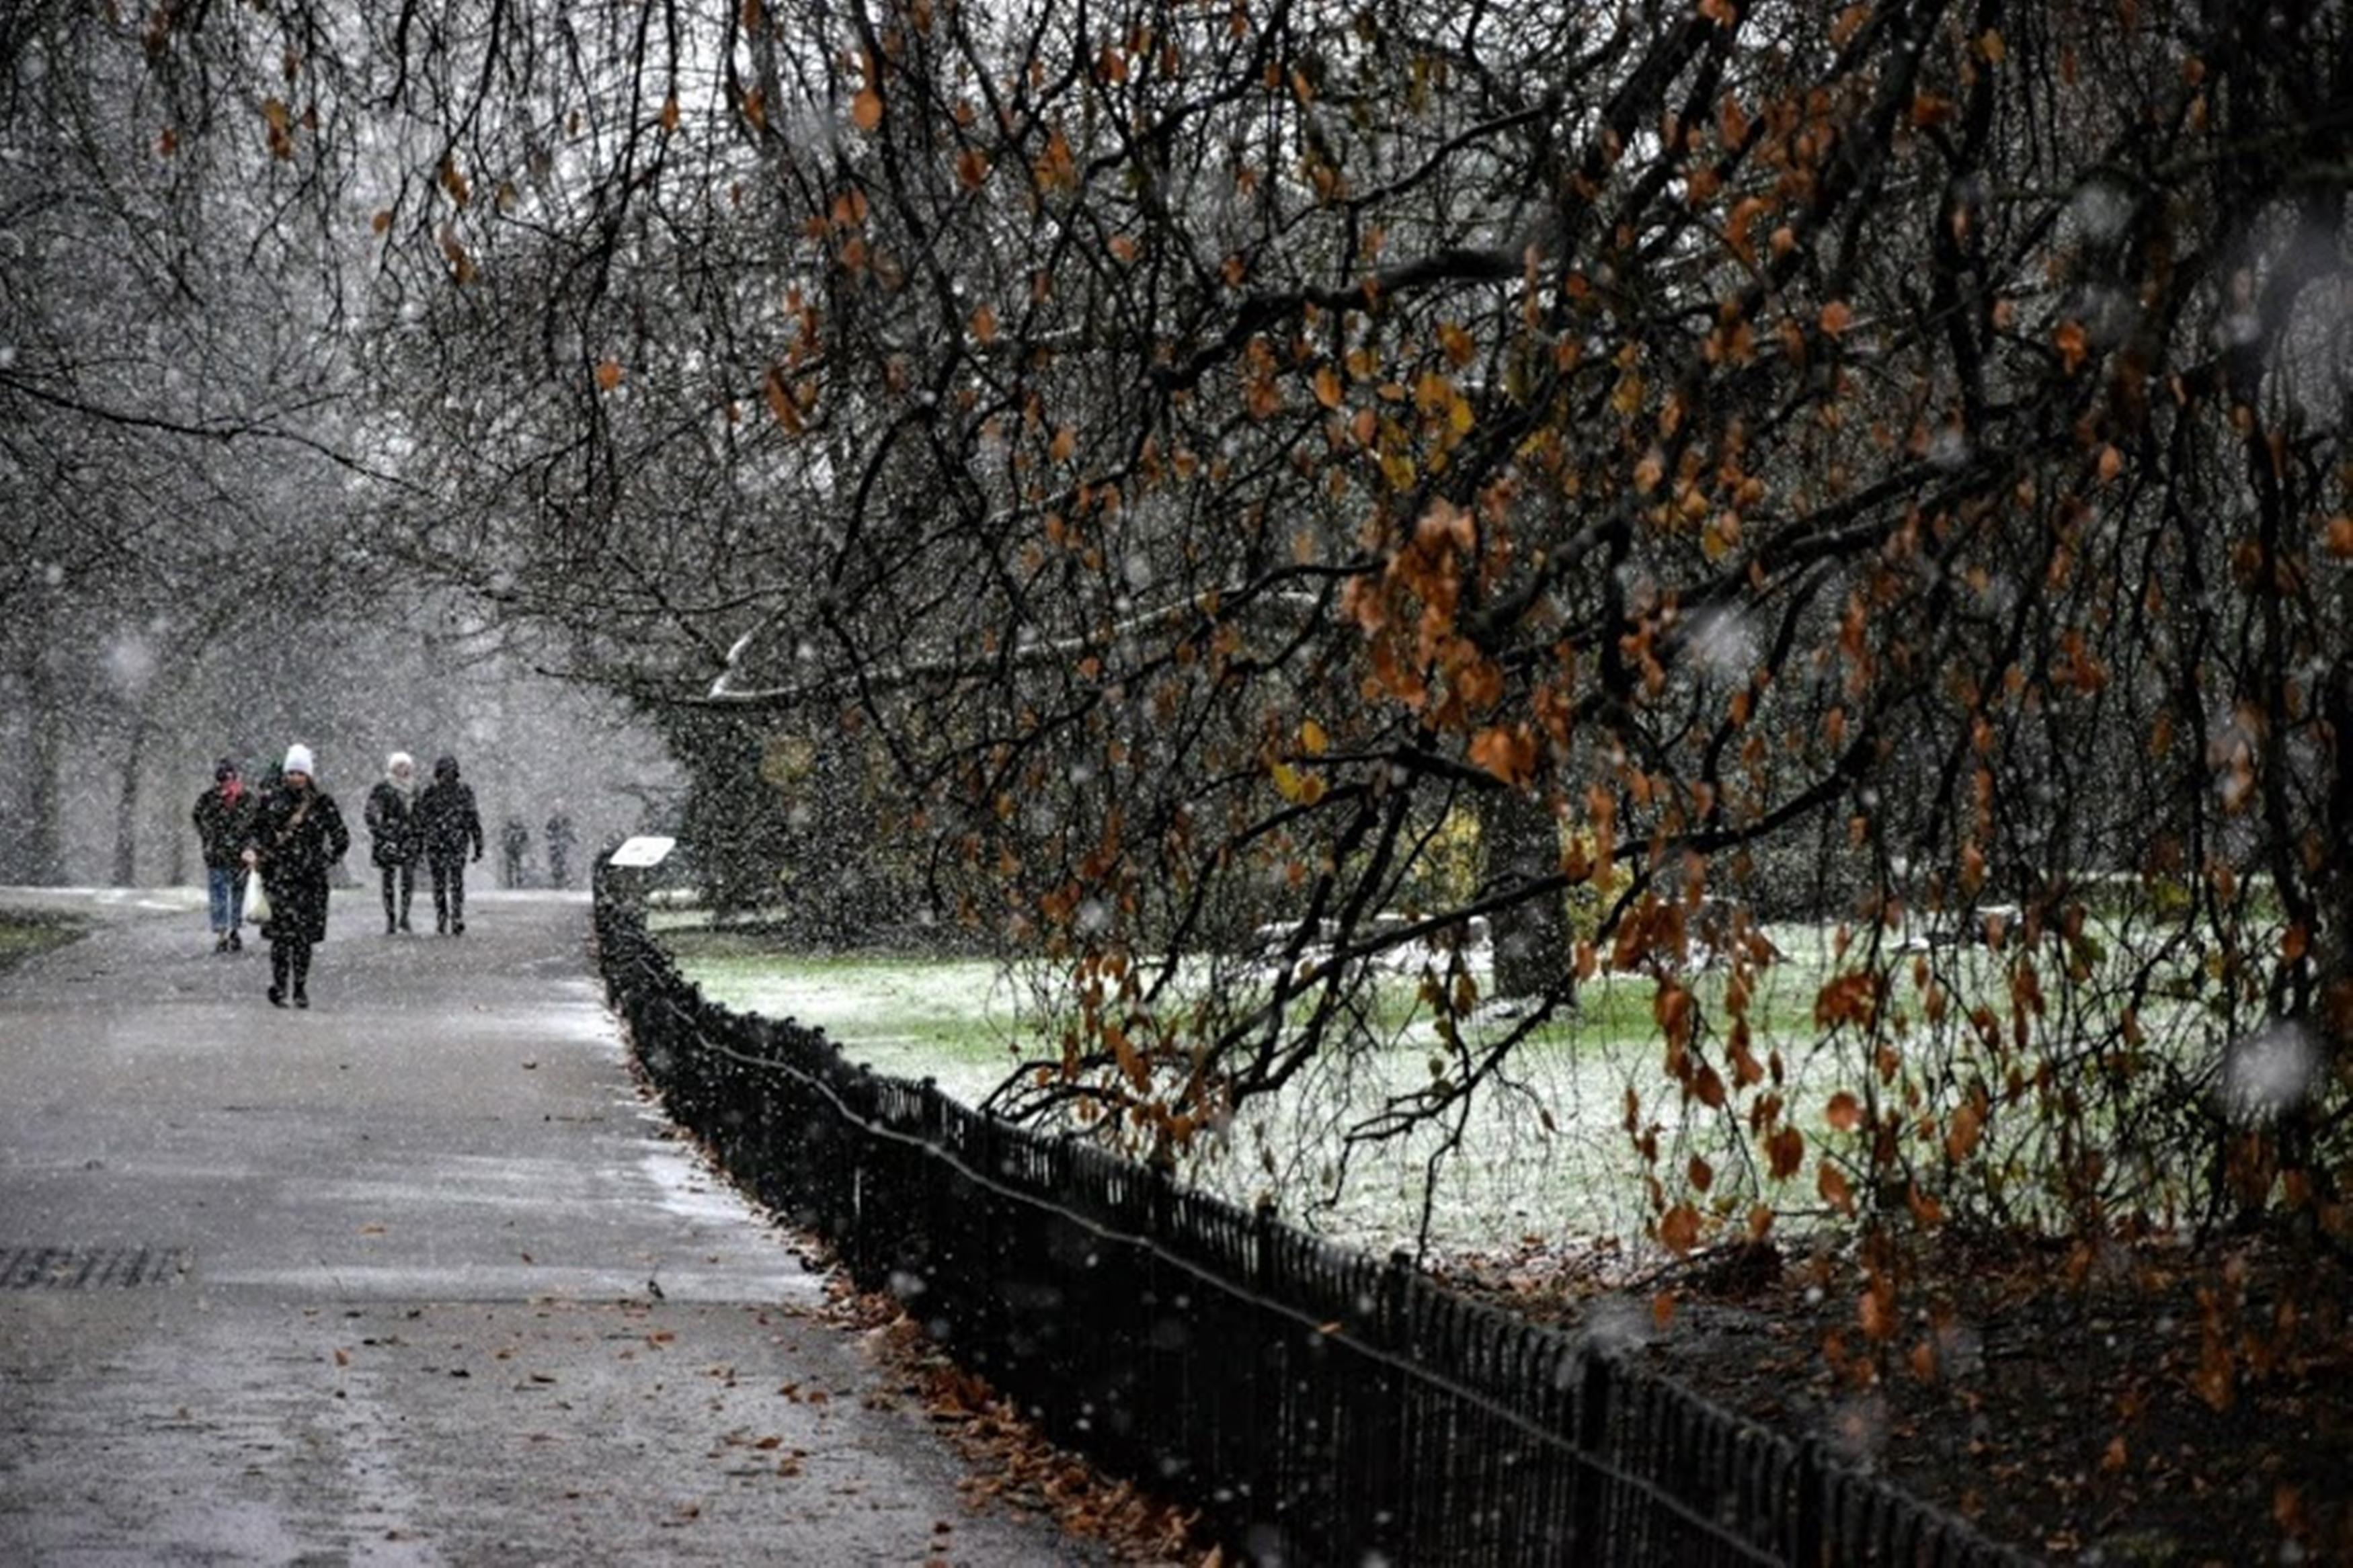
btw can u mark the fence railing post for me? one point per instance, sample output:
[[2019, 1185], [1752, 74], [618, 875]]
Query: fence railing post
[[1590, 1519], [1806, 1549]]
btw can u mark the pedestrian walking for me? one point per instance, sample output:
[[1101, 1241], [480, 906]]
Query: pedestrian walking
[[560, 840], [397, 836], [452, 826], [223, 819], [298, 833], [515, 844]]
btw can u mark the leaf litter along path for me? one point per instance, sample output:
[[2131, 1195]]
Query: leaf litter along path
[[2128, 1405]]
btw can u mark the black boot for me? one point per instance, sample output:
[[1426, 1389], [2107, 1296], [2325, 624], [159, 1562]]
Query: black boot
[[277, 976]]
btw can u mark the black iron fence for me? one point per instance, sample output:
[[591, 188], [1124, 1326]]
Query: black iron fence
[[1319, 1406]]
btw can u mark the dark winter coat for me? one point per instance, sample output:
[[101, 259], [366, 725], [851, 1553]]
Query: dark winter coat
[[452, 826], [223, 827], [395, 823], [297, 836]]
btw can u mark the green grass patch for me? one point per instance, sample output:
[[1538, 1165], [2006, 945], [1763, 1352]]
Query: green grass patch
[[24, 935]]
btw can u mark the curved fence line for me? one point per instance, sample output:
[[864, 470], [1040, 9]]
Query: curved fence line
[[1317, 1404]]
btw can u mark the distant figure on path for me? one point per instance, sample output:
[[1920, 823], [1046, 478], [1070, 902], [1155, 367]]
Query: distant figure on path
[[224, 820], [298, 832], [560, 840], [398, 837], [452, 826], [515, 843]]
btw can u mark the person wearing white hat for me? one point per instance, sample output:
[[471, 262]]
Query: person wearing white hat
[[298, 833]]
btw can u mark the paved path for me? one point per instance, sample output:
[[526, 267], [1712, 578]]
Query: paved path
[[417, 1224]]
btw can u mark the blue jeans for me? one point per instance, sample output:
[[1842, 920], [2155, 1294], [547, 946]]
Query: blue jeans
[[225, 885]]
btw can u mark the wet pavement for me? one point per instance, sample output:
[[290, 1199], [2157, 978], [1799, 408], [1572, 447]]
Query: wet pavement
[[414, 1276]]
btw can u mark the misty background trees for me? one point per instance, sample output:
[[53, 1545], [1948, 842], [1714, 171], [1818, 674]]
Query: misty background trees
[[1110, 481]]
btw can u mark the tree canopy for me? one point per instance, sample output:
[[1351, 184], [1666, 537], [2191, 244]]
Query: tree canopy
[[1195, 468]]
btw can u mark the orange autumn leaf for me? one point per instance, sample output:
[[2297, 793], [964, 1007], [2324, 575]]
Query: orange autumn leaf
[[2073, 345], [866, 109], [1508, 754], [1845, 1111], [1876, 1311], [1836, 318], [781, 404], [608, 375], [1832, 1184], [1679, 1229], [984, 324], [1962, 1132]]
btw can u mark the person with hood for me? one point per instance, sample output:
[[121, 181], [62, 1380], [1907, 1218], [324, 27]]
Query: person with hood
[[297, 834], [397, 836], [451, 824], [224, 817]]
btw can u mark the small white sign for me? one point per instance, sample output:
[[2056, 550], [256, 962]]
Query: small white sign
[[640, 853]]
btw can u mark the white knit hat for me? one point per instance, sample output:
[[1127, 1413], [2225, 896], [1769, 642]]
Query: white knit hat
[[297, 760]]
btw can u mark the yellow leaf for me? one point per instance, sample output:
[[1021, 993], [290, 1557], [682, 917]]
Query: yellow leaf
[[1311, 738]]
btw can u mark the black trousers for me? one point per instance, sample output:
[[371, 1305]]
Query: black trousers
[[399, 887], [289, 958], [448, 891]]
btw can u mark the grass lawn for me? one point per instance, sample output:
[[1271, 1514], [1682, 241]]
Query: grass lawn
[[24, 935], [1542, 1153]]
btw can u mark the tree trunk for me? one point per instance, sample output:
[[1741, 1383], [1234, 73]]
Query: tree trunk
[[2333, 890], [1521, 842], [43, 800], [126, 808]]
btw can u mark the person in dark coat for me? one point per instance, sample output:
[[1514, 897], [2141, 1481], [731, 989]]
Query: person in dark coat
[[223, 819], [515, 843], [561, 837], [397, 836], [452, 826], [298, 833]]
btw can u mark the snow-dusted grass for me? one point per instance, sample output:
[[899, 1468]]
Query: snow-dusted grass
[[1542, 1151]]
